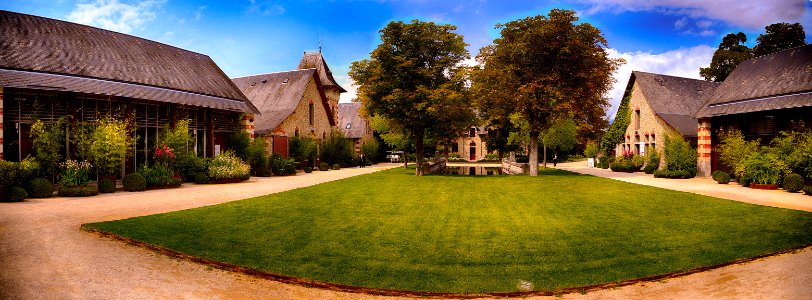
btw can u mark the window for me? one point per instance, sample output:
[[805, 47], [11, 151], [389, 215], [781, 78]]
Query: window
[[311, 114], [348, 125], [637, 119], [472, 132]]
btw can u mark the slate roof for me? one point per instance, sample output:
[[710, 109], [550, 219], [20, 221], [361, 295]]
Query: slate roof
[[349, 114], [276, 95], [314, 60], [674, 99], [779, 80], [59, 55]]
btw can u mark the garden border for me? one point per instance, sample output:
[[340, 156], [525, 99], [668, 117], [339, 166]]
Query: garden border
[[310, 283]]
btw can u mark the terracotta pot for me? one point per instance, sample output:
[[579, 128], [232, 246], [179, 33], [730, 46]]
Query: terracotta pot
[[764, 186]]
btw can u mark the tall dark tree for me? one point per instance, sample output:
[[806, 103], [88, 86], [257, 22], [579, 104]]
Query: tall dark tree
[[412, 78], [731, 52], [547, 66], [780, 36]]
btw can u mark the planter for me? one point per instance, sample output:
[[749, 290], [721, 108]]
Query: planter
[[760, 186], [225, 180]]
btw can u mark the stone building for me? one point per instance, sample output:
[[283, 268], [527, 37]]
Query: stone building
[[294, 103], [471, 146], [51, 69], [660, 105], [761, 97], [354, 126]]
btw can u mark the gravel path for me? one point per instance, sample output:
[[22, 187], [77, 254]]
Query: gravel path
[[44, 255]]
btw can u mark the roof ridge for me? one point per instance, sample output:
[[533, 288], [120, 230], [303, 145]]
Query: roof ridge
[[273, 73]]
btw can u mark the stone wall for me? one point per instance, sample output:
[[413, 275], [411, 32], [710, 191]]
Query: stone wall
[[464, 147], [651, 130], [299, 119], [1, 122]]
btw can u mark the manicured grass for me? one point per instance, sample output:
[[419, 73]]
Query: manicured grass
[[471, 234]]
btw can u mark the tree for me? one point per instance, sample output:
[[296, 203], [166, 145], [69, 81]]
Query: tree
[[413, 78], [731, 52], [546, 67], [780, 36], [392, 134], [561, 135]]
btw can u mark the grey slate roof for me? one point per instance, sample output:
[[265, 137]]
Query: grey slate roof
[[776, 81], [674, 99], [276, 95], [349, 114], [74, 57], [314, 60]]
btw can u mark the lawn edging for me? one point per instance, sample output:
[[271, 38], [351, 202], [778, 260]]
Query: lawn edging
[[391, 292]]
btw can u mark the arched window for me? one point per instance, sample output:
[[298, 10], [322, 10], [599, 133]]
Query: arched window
[[310, 114], [296, 132]]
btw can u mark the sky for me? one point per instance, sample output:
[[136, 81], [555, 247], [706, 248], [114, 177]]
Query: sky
[[249, 37]]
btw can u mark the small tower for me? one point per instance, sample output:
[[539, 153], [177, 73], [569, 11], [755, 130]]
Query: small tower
[[314, 60]]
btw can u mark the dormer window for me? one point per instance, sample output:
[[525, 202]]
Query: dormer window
[[286, 80], [349, 125]]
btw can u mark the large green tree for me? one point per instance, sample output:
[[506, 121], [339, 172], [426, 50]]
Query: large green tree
[[412, 78], [780, 36], [548, 67], [730, 53]]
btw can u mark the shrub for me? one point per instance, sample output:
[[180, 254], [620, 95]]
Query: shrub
[[8, 173], [179, 139], [48, 140], [762, 167], [228, 166], [303, 149], [189, 166], [722, 178], [455, 157], [16, 194], [239, 143], [78, 191], [134, 182], [75, 173], [370, 150], [652, 160], [308, 170], [715, 173], [41, 188], [733, 149], [107, 186], [745, 181], [591, 150], [201, 178], [808, 190], [159, 175], [111, 144], [793, 183], [795, 149], [336, 167], [282, 166], [680, 158], [29, 169], [258, 158], [622, 164], [637, 162], [336, 149], [324, 166]]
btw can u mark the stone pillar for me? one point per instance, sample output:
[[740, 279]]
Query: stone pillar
[[1, 122], [247, 124], [703, 148]]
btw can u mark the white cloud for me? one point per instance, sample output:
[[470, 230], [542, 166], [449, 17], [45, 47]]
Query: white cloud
[[115, 15], [265, 7], [679, 24], [348, 84], [199, 13], [749, 14], [679, 62]]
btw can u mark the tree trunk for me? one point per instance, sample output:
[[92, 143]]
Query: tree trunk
[[405, 161], [534, 154], [545, 153], [418, 147]]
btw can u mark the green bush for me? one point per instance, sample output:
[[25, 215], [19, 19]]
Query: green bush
[[622, 164], [652, 160], [228, 166], [715, 173], [16, 194], [680, 158], [308, 170], [637, 162], [159, 175], [762, 167], [793, 183], [324, 166], [201, 178], [338, 150], [603, 162], [74, 173], [808, 190], [107, 186], [336, 167], [8, 173], [41, 188], [733, 149], [239, 143], [745, 181], [78, 191], [134, 182], [189, 166], [303, 149], [48, 141], [111, 144], [283, 166], [370, 150], [795, 149], [591, 150], [722, 177]]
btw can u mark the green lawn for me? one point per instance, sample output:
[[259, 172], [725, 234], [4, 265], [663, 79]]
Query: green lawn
[[471, 234]]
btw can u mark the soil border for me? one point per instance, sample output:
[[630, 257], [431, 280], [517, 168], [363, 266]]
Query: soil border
[[389, 292]]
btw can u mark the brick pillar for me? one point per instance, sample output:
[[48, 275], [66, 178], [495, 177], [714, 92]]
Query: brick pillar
[[247, 124], [703, 148], [1, 122]]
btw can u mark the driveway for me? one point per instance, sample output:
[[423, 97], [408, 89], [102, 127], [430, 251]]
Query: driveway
[[44, 255]]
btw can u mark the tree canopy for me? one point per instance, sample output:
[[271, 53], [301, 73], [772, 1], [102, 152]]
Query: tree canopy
[[780, 36], [545, 67], [413, 78]]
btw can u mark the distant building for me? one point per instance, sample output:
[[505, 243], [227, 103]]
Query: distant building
[[471, 145], [354, 126], [299, 103], [51, 68], [660, 105], [761, 97]]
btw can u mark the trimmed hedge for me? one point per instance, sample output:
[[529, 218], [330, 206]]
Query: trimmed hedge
[[16, 194], [721, 177], [107, 186], [336, 167], [308, 170], [808, 190], [678, 174], [793, 183], [134, 182], [201, 178], [41, 188], [78, 191], [324, 166]]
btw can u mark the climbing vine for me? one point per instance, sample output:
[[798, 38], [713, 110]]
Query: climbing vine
[[614, 135]]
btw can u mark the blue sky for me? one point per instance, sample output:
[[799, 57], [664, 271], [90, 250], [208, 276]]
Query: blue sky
[[247, 37]]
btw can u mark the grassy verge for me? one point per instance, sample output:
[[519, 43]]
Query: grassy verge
[[471, 234]]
